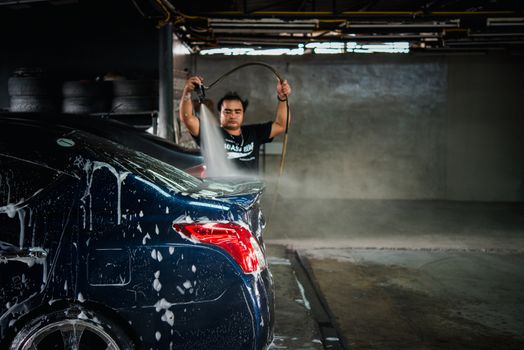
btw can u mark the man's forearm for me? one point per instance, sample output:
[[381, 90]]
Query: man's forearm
[[186, 114], [282, 114], [185, 107], [283, 117]]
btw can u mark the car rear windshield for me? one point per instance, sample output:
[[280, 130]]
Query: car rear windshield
[[59, 148], [152, 169]]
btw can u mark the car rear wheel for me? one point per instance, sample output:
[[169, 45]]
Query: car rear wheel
[[71, 329]]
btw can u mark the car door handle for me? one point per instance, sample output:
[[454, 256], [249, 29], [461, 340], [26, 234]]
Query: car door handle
[[32, 253]]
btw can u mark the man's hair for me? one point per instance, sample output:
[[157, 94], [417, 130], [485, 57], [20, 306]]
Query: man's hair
[[232, 95]]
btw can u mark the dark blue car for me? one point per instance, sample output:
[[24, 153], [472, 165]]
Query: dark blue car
[[103, 247]]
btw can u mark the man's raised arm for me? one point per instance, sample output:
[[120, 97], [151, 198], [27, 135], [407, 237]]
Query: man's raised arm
[[186, 113], [279, 125]]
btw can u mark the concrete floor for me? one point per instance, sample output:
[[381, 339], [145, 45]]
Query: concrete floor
[[402, 299], [295, 327], [411, 275]]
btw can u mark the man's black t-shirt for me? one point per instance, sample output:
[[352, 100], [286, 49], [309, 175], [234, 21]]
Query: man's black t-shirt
[[243, 150]]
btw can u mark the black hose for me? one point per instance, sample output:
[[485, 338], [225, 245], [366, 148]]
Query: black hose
[[245, 65], [284, 144]]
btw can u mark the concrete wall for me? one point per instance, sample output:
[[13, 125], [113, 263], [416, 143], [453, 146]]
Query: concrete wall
[[485, 157], [392, 126]]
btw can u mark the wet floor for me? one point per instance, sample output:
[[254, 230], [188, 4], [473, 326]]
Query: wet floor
[[295, 327], [406, 299], [406, 274]]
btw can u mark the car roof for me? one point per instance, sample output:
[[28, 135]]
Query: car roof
[[116, 131], [65, 149]]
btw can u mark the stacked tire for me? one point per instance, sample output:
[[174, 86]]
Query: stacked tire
[[134, 96], [85, 96], [31, 91]]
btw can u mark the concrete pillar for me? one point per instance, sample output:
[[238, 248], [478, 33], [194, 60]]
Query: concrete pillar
[[165, 95]]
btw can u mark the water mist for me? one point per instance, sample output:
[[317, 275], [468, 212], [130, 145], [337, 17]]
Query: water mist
[[212, 145]]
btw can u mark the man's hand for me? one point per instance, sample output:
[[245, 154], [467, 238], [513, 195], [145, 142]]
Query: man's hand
[[283, 90], [192, 83]]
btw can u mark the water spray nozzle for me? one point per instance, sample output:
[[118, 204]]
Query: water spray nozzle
[[201, 93]]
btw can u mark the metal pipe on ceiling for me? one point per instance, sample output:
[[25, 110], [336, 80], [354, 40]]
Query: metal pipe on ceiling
[[357, 13], [20, 2], [495, 34], [262, 21], [505, 22], [450, 24], [261, 30]]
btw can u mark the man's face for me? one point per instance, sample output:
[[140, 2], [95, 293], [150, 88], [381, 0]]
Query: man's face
[[231, 114]]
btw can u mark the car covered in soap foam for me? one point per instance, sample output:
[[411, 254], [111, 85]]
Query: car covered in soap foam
[[103, 247]]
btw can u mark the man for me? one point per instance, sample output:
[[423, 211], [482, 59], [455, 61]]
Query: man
[[241, 142]]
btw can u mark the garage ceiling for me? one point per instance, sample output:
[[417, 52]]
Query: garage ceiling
[[442, 25], [427, 25]]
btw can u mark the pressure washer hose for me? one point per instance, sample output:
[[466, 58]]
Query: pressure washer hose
[[284, 144]]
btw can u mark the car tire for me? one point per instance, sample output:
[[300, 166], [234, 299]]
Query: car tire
[[30, 86], [122, 104], [33, 104], [86, 88], [83, 105], [132, 87], [74, 327]]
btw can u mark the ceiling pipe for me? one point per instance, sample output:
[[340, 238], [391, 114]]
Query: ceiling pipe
[[167, 12], [450, 24], [20, 2], [344, 14], [505, 22], [262, 30]]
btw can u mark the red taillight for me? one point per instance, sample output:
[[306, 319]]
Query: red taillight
[[198, 171], [233, 238]]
